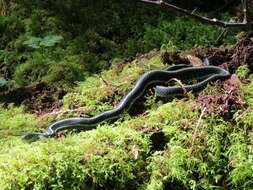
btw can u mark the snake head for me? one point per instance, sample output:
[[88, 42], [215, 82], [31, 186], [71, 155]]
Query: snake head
[[33, 137]]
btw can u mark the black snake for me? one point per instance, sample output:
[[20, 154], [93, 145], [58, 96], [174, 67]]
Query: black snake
[[149, 79]]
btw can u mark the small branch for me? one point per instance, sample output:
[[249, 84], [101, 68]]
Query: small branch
[[79, 111], [244, 113], [245, 8], [197, 126], [180, 84], [221, 35], [205, 20], [103, 80]]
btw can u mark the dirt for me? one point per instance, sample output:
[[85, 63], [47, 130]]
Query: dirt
[[40, 98], [228, 97], [216, 55], [231, 97], [242, 54]]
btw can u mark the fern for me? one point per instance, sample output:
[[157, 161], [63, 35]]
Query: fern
[[50, 41]]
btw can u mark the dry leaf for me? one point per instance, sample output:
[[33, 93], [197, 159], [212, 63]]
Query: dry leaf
[[195, 61]]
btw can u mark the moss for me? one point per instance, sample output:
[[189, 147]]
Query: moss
[[247, 89], [242, 72], [100, 90], [32, 70], [240, 159], [192, 159], [15, 122], [41, 68], [200, 150], [104, 157], [182, 33]]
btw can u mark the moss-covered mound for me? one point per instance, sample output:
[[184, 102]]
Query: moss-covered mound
[[160, 144], [107, 157]]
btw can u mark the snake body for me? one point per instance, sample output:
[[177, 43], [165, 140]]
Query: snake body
[[149, 79]]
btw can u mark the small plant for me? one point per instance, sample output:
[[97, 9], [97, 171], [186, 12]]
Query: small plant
[[47, 41], [4, 82], [168, 47], [242, 72]]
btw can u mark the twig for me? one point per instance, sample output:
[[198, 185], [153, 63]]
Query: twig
[[71, 111], [245, 7], [180, 84], [221, 35], [103, 80], [245, 23], [194, 10], [197, 126], [244, 113], [106, 82]]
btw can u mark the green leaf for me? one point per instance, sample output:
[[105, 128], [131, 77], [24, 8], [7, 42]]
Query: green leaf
[[33, 42], [3, 82], [50, 41]]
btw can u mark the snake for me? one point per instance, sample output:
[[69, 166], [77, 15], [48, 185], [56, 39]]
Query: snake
[[154, 78]]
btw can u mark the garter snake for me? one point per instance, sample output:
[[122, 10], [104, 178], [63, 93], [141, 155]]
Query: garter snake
[[149, 79]]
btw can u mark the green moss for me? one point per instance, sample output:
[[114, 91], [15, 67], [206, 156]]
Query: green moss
[[240, 159], [99, 90], [41, 68], [15, 122], [199, 152], [104, 157], [182, 33], [194, 157], [242, 72], [248, 91], [32, 70], [240, 152]]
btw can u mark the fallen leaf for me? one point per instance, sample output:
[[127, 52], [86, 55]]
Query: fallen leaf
[[195, 61]]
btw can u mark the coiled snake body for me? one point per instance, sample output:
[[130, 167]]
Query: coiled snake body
[[182, 72]]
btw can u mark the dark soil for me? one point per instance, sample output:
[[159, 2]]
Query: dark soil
[[228, 97], [39, 98], [216, 55], [243, 54]]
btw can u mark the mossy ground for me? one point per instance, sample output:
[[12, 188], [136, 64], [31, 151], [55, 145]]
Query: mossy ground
[[199, 151], [160, 144]]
